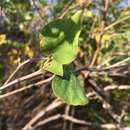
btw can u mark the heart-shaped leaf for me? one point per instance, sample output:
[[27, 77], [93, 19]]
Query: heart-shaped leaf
[[68, 89], [54, 67], [60, 39]]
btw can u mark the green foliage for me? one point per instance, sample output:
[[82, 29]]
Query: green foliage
[[126, 120], [68, 88], [22, 21], [54, 67], [60, 39]]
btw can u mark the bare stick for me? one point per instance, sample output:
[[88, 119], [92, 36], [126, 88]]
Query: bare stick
[[76, 121], [116, 23], [65, 9], [16, 70], [118, 63], [96, 69], [67, 111], [107, 106], [110, 88], [113, 87], [65, 117], [98, 44], [26, 77], [56, 103], [72, 114], [21, 65], [26, 87]]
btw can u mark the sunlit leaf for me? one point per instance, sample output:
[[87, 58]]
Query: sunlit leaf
[[60, 39], [68, 89], [28, 51], [88, 13], [54, 67], [2, 39]]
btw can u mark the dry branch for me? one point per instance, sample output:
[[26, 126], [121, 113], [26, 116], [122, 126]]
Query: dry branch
[[26, 87], [56, 103], [21, 79], [76, 121]]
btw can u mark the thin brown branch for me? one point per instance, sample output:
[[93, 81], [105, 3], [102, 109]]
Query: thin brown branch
[[98, 45], [107, 105], [19, 80], [106, 5], [65, 117], [67, 112], [16, 70], [116, 65], [109, 88], [26, 87], [20, 66], [76, 121], [71, 127], [117, 87], [56, 103], [116, 23], [66, 9]]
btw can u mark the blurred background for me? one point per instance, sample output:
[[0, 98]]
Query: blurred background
[[104, 45]]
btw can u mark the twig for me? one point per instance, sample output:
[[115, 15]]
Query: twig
[[116, 23], [98, 44], [26, 77], [113, 74], [35, 8], [106, 5], [65, 117], [26, 87], [92, 95], [56, 103], [118, 63], [20, 66], [108, 106], [109, 88], [76, 121], [113, 87], [67, 111], [72, 115], [66, 9], [94, 69], [92, 27], [101, 34]]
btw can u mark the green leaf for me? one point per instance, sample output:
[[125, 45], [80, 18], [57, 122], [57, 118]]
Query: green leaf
[[54, 67], [60, 39], [76, 17], [68, 89]]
